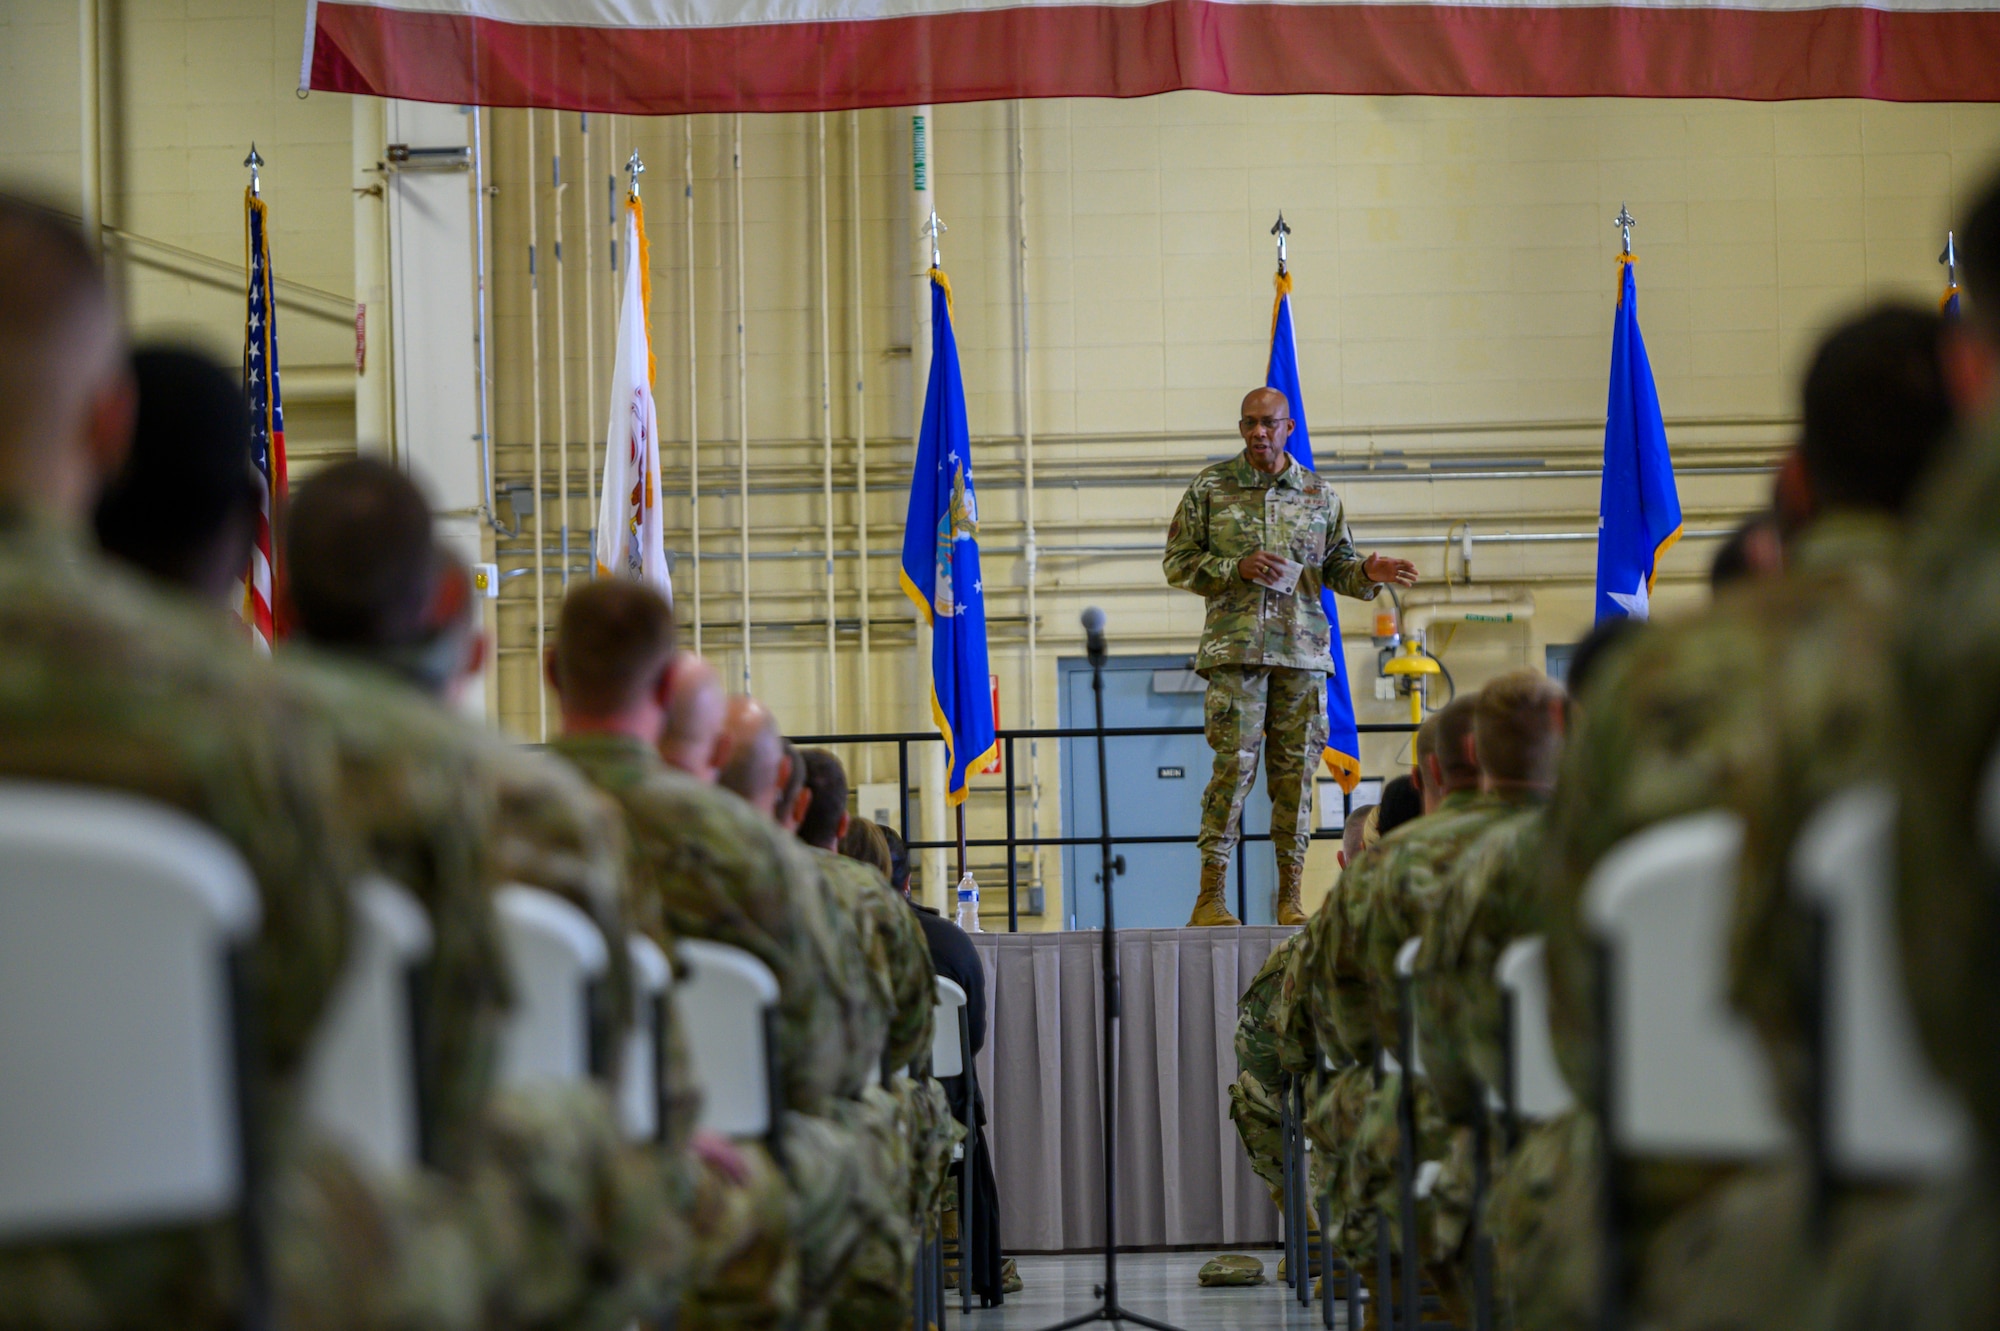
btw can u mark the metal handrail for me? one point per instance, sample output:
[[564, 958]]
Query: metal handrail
[[903, 739]]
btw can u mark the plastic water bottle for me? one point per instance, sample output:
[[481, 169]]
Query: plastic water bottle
[[968, 905]]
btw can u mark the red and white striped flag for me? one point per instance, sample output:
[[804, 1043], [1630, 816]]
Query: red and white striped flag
[[267, 424]]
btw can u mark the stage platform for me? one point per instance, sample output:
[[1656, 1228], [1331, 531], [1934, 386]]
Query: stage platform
[[1183, 1176]]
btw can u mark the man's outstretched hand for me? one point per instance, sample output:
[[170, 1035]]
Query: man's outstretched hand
[[1386, 568]]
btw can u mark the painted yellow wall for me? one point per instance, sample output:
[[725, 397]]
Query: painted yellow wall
[[1455, 279]]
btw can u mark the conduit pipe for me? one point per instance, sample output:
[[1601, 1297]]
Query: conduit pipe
[[590, 392], [742, 403], [483, 367], [830, 716], [694, 411], [535, 439], [557, 188], [1029, 550], [860, 433], [1469, 607], [90, 141]]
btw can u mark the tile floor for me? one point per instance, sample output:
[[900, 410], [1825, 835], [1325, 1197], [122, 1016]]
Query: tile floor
[[1160, 1285]]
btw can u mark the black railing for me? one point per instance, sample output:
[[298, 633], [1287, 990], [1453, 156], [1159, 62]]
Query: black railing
[[903, 739]]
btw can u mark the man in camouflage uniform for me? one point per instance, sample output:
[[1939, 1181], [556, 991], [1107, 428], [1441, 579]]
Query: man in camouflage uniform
[[105, 682], [1260, 1079], [362, 527], [570, 1222], [1264, 652], [905, 984], [712, 868], [1338, 1002], [1766, 705]]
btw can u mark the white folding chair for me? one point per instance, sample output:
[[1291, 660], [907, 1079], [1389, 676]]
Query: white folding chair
[[951, 1053], [120, 926], [361, 1073], [1683, 1073], [556, 953], [1886, 1115], [947, 1039], [640, 1060], [725, 999], [1535, 1089]]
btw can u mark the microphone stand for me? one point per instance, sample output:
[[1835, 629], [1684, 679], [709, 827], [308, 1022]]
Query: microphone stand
[[1109, 1309]]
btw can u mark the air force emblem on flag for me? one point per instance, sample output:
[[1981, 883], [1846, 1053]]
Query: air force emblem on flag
[[959, 522]]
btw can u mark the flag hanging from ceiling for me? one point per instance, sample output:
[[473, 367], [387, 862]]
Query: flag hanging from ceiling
[[1343, 741], [1638, 508], [267, 423], [674, 57], [631, 536], [940, 569]]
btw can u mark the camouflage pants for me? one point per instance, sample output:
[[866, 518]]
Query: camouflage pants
[[1255, 1112], [876, 1291], [749, 1266], [1283, 713]]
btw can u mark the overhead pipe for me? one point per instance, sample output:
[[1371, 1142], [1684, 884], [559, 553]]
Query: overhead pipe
[[535, 440], [694, 397], [826, 426], [742, 403]]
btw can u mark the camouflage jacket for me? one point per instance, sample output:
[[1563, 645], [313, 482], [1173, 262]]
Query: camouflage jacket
[[1232, 510], [1489, 902], [899, 956], [1825, 729], [1946, 719], [104, 683], [707, 865], [1257, 1034], [1672, 724]]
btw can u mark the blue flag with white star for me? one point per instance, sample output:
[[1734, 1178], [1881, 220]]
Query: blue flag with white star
[[1638, 510], [941, 559], [1343, 741]]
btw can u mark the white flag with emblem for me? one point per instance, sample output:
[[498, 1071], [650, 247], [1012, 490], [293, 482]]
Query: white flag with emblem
[[631, 541]]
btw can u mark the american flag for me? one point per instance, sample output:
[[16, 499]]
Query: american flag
[[267, 423]]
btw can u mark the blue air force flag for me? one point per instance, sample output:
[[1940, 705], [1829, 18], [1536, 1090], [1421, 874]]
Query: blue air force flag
[[941, 559], [1343, 742], [1638, 509]]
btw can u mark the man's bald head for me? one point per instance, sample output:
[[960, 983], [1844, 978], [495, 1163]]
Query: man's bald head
[[755, 767], [67, 398], [1266, 424], [692, 735]]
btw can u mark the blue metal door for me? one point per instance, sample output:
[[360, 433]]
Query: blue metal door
[[1156, 783]]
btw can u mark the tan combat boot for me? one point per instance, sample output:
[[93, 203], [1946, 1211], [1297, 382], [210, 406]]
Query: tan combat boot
[[1208, 905], [1290, 878]]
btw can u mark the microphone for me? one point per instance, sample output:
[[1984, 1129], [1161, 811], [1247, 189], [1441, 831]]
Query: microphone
[[1093, 635]]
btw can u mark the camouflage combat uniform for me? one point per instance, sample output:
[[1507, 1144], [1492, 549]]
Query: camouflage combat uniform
[[105, 683], [452, 811], [1264, 655], [908, 1137], [712, 867], [1934, 1270], [1260, 1070]]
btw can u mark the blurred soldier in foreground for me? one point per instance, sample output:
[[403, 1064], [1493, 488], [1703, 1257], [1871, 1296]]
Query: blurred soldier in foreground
[[1765, 704], [917, 1142], [354, 530], [110, 683], [1257, 537], [1935, 1270]]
